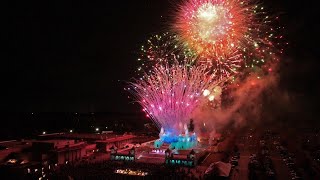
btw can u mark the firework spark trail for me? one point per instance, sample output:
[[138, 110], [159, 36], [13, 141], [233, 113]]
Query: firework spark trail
[[162, 49], [224, 67], [228, 35], [171, 93]]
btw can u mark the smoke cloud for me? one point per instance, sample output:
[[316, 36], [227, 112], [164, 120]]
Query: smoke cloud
[[255, 101]]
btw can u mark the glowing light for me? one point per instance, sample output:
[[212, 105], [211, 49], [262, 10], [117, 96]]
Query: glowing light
[[131, 172], [206, 92], [211, 22], [13, 161], [217, 91], [97, 129], [211, 98]]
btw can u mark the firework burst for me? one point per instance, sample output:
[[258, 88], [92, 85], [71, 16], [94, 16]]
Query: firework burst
[[227, 34], [170, 94], [162, 49], [211, 26]]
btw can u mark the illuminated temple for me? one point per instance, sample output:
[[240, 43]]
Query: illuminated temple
[[186, 140]]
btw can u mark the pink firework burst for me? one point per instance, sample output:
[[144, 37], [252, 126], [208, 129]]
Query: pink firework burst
[[171, 93]]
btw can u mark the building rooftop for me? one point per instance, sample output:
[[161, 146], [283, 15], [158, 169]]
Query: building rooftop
[[115, 139]]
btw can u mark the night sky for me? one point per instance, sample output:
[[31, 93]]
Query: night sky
[[76, 57]]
